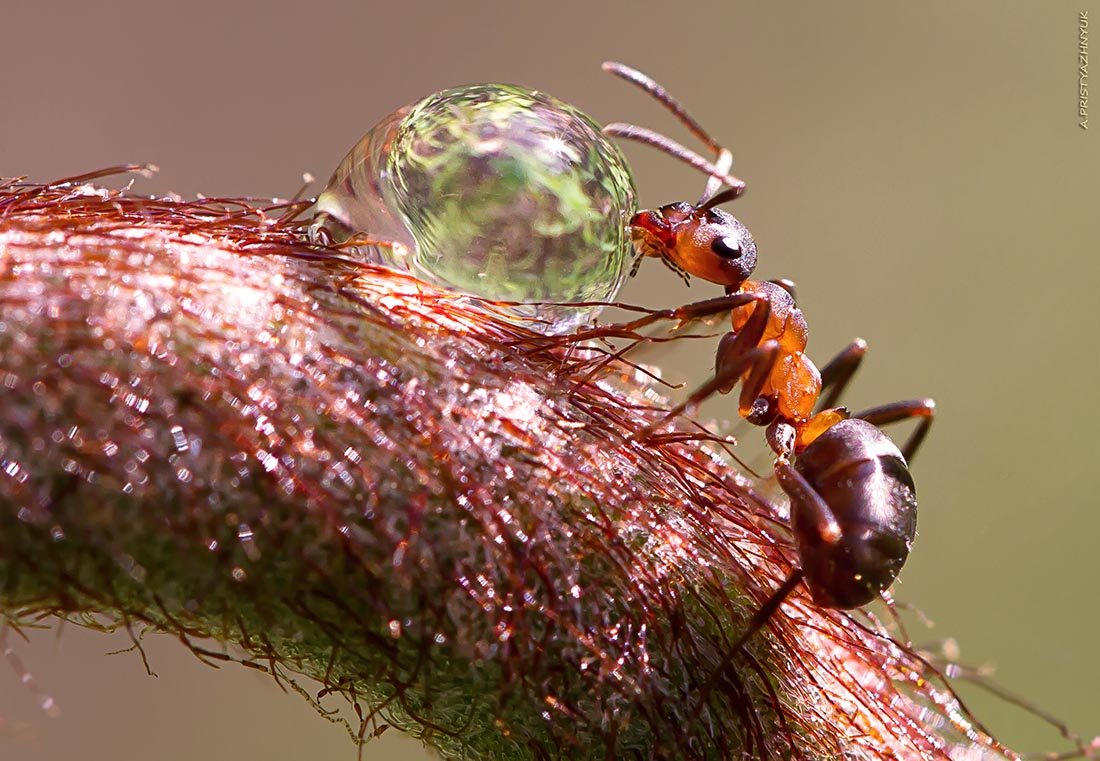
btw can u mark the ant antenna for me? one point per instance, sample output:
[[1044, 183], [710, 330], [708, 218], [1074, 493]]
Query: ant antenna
[[717, 200], [677, 151], [664, 97], [723, 157]]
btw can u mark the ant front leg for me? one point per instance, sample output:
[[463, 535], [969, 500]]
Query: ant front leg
[[356, 240], [694, 311], [758, 363], [734, 345], [895, 412], [838, 373], [362, 239]]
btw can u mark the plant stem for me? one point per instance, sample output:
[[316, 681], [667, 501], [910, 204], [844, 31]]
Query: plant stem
[[213, 429]]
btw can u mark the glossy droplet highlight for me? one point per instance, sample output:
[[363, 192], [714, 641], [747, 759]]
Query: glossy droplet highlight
[[494, 190]]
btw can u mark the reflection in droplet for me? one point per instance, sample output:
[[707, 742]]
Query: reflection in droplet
[[495, 190]]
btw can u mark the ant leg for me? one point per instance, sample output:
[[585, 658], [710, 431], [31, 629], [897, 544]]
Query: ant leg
[[768, 609], [755, 624], [694, 311], [895, 412], [839, 371], [735, 345], [806, 504], [737, 353], [758, 362]]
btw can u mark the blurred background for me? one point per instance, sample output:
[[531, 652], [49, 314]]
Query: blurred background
[[918, 169]]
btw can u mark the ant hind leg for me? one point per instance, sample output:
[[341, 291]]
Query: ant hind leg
[[838, 373], [768, 609], [811, 507], [755, 624], [895, 412]]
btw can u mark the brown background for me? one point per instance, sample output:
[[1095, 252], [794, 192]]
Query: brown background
[[917, 168]]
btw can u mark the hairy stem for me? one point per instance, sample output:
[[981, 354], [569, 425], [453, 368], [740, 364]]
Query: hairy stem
[[211, 428]]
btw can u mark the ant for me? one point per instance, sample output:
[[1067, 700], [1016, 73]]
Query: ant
[[853, 503]]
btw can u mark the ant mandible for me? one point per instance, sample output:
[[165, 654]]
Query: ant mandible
[[853, 502]]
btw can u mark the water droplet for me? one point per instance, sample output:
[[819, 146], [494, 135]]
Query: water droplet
[[494, 190]]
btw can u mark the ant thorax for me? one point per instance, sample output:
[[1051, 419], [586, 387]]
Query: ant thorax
[[794, 383], [786, 323]]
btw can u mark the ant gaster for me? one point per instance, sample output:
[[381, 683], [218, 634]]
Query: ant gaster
[[853, 502]]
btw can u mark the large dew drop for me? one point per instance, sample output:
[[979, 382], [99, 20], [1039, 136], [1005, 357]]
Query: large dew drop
[[494, 190]]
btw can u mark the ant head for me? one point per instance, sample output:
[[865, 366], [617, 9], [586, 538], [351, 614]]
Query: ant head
[[696, 240], [722, 249], [700, 240]]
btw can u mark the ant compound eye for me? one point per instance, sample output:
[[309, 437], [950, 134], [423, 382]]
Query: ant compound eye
[[727, 248]]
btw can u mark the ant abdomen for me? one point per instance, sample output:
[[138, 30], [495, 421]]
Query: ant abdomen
[[863, 479]]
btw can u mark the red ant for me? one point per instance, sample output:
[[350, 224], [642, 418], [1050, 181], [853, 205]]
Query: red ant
[[853, 502]]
